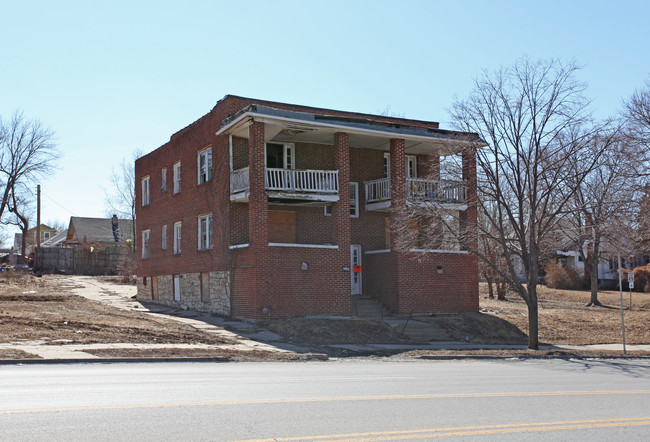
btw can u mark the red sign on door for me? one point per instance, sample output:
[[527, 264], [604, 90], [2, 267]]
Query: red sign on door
[[356, 269]]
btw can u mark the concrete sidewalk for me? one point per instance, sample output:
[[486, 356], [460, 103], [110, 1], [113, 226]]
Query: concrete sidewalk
[[248, 336]]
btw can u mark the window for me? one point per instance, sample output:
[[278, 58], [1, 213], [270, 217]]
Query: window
[[145, 191], [354, 200], [204, 165], [164, 238], [411, 166], [177, 287], [46, 236], [205, 232], [177, 177], [386, 165], [177, 238], [205, 286], [145, 244], [280, 156], [163, 182]]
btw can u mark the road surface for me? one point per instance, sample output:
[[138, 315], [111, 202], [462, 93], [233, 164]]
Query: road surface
[[336, 400]]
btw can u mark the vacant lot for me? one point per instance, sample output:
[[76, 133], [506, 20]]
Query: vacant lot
[[45, 310], [564, 319]]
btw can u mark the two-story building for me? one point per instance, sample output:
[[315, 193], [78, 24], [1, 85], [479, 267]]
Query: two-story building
[[265, 209]]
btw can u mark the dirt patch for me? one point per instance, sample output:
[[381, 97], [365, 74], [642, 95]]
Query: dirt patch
[[478, 328], [324, 331], [17, 354], [39, 309], [216, 354]]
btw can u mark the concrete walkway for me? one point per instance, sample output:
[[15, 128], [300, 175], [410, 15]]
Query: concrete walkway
[[248, 336]]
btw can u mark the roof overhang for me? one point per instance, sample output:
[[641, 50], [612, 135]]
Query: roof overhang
[[300, 127]]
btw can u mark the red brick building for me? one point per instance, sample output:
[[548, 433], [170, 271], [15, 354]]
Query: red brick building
[[264, 209]]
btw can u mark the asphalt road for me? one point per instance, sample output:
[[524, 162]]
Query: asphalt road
[[336, 400]]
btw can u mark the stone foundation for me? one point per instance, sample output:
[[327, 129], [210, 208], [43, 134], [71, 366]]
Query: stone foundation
[[213, 297]]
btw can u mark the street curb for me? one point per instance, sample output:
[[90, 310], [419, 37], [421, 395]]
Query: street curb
[[549, 357], [300, 358]]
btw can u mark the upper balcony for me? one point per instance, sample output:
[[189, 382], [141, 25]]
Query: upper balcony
[[445, 194], [289, 184]]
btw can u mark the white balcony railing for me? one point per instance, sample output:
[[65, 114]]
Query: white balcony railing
[[289, 180], [239, 180], [419, 188]]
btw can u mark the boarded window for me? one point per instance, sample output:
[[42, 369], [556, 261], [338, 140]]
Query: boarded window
[[154, 287], [205, 287], [282, 227]]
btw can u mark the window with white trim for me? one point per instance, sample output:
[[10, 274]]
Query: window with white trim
[[46, 236], [204, 165], [164, 238], [177, 238], [146, 234], [177, 177], [163, 182], [205, 232], [411, 166], [386, 165], [145, 191], [354, 200]]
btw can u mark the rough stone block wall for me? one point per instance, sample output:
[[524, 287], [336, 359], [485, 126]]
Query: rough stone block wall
[[190, 283]]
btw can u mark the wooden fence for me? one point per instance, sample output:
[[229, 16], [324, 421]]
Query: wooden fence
[[110, 260]]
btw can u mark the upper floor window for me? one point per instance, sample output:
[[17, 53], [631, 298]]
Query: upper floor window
[[354, 200], [204, 165], [177, 238], [163, 245], [46, 236], [145, 191], [205, 232], [411, 166], [177, 177], [386, 165], [163, 182], [145, 243], [280, 156]]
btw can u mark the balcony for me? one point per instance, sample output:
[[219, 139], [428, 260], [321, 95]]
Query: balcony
[[446, 194], [288, 184]]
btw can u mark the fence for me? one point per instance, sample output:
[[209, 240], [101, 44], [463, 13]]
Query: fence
[[109, 260]]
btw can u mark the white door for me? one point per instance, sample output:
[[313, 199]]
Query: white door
[[411, 166], [355, 260]]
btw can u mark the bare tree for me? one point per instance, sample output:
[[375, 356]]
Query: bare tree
[[19, 205], [637, 110], [605, 201], [27, 150], [532, 116], [120, 196]]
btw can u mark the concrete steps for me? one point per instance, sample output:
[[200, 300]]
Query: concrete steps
[[369, 308], [422, 332]]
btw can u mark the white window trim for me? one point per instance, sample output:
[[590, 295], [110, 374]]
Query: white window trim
[[355, 185], [205, 235], [177, 177], [146, 195], [414, 160], [207, 153], [163, 181], [163, 244], [287, 147], [146, 244], [178, 232], [386, 164]]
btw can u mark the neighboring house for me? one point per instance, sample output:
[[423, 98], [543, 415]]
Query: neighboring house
[[265, 209], [607, 264], [47, 232], [57, 240], [94, 231]]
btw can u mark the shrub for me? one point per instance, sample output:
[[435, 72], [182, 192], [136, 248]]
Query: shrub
[[641, 278], [560, 277]]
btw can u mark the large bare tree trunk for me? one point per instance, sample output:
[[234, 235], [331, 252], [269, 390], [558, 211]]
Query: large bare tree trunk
[[594, 302]]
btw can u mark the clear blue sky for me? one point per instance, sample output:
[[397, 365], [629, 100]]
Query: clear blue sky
[[111, 77]]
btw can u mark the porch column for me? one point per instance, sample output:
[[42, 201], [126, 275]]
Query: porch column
[[258, 206], [468, 218], [397, 188], [341, 218], [341, 209]]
